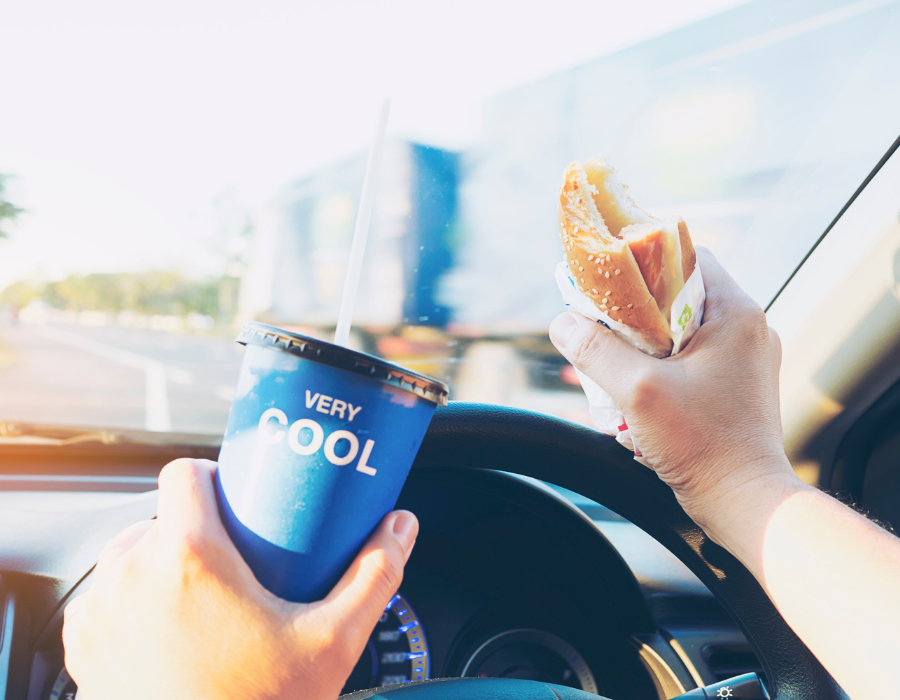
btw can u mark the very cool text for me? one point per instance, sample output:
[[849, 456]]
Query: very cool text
[[270, 433], [329, 406]]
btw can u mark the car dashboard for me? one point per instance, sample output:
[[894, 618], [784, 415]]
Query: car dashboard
[[510, 577]]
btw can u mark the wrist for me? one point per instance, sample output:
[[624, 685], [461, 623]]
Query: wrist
[[735, 510]]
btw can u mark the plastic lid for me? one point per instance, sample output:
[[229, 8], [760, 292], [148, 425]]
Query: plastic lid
[[255, 333]]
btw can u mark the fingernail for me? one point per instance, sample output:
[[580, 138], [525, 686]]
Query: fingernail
[[561, 328], [404, 529]]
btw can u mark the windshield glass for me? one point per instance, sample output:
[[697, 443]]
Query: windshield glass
[[172, 172]]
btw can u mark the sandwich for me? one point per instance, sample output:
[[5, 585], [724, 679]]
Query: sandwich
[[630, 265]]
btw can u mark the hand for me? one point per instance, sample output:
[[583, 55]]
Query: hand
[[707, 420], [174, 612]]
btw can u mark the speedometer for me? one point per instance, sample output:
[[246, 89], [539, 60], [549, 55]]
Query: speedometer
[[397, 651]]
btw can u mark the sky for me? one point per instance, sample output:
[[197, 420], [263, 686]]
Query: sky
[[139, 134]]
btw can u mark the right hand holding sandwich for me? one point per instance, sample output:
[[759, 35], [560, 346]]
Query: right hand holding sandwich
[[707, 420]]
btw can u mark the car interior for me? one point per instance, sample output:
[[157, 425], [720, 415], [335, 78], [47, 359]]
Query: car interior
[[546, 552]]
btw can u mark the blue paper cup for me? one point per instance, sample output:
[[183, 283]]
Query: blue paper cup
[[320, 440]]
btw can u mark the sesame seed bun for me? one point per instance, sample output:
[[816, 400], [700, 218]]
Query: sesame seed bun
[[614, 204], [603, 265], [631, 265], [688, 256]]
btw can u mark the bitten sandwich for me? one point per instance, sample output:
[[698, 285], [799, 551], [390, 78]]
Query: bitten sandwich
[[630, 265]]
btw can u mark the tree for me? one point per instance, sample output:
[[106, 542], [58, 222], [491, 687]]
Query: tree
[[8, 210], [149, 293], [20, 294]]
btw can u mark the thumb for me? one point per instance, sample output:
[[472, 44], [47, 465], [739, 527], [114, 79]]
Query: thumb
[[359, 598], [600, 354]]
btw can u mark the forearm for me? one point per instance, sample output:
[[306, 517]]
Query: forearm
[[832, 574], [708, 423]]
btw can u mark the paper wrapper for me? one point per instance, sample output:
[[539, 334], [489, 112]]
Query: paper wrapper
[[687, 315]]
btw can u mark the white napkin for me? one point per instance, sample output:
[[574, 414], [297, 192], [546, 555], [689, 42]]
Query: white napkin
[[687, 315]]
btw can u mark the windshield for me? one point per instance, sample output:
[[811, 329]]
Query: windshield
[[170, 173]]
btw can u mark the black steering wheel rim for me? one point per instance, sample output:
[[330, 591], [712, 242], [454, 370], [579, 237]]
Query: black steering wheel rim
[[463, 436]]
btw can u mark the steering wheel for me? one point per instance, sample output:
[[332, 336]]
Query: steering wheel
[[465, 436]]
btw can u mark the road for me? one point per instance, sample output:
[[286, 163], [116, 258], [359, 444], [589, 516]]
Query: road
[[116, 377]]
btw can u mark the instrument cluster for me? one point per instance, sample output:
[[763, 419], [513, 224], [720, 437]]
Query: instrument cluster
[[486, 593], [397, 652]]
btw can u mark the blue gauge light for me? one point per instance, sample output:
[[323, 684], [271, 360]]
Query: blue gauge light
[[397, 651], [64, 688]]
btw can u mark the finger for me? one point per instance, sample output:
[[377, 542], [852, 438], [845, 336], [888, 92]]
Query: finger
[[723, 295], [359, 598], [120, 544], [187, 501], [129, 537], [600, 354], [73, 620]]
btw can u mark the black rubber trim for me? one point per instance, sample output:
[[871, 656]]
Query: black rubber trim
[[596, 466], [848, 472], [884, 159], [472, 688]]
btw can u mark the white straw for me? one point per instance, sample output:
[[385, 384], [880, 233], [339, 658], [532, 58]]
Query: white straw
[[361, 233]]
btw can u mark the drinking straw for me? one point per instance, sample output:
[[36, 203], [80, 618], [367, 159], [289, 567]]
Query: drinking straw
[[361, 233]]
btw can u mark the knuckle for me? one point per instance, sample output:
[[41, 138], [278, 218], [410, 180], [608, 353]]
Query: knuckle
[[586, 348], [107, 558], [645, 392], [191, 549], [179, 472], [751, 322], [125, 569], [754, 317]]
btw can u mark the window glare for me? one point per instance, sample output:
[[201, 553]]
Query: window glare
[[177, 171]]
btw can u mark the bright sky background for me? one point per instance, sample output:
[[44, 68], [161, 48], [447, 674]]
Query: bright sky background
[[137, 130]]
